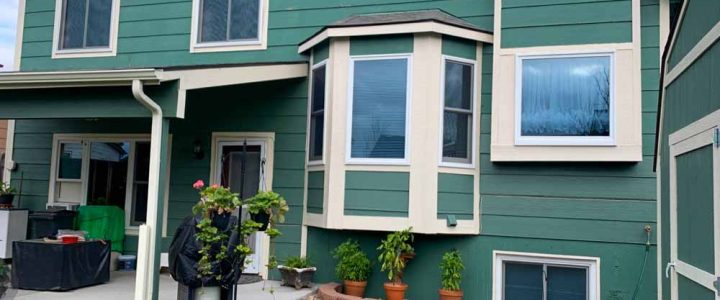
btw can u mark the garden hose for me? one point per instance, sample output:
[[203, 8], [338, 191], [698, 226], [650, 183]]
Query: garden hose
[[648, 230]]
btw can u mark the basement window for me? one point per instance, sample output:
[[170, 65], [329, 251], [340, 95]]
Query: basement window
[[536, 276]]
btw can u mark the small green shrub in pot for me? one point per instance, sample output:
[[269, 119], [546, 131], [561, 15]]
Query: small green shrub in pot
[[297, 272], [7, 194], [395, 251], [451, 276], [353, 267]]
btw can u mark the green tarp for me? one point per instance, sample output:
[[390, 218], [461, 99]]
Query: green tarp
[[103, 222]]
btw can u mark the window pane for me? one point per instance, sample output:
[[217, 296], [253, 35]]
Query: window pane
[[318, 89], [566, 283], [74, 24], [456, 135], [316, 135], [244, 19], [241, 169], [70, 164], [98, 30], [379, 104], [214, 20], [108, 173], [458, 85], [140, 186], [566, 96], [523, 281], [317, 121]]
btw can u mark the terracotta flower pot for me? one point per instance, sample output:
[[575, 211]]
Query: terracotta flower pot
[[355, 288], [450, 295], [395, 291]]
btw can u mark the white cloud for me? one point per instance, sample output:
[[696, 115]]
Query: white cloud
[[8, 23]]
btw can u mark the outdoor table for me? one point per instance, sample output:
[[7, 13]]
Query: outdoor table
[[39, 265]]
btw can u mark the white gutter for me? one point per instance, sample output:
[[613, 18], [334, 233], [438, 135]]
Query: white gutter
[[146, 274]]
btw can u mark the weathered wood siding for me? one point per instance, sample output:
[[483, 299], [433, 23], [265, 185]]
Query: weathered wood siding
[[156, 33]]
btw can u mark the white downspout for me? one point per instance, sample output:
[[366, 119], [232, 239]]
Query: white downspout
[[145, 274]]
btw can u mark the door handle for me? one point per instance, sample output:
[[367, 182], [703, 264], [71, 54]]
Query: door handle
[[668, 267]]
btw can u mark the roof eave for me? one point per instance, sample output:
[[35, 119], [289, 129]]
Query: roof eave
[[62, 79], [396, 28]]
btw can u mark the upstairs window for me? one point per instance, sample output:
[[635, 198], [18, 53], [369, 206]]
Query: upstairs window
[[458, 105], [565, 100], [85, 24], [317, 112], [379, 107], [236, 21]]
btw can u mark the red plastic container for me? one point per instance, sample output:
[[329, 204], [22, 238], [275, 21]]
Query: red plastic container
[[70, 239]]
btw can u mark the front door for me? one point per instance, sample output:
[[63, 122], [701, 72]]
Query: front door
[[241, 169], [694, 217]]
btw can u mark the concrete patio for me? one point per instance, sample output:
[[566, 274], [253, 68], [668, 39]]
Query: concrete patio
[[122, 287]]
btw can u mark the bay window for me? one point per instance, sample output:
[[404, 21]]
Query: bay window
[[458, 106], [378, 108], [565, 100]]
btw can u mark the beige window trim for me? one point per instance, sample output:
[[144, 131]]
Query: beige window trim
[[241, 45], [111, 50]]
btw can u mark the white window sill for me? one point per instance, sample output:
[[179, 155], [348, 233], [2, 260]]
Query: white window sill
[[457, 165], [132, 230], [83, 52], [377, 162], [228, 46]]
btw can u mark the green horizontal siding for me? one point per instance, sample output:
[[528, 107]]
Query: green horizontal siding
[[688, 289], [381, 194], [455, 196], [315, 192], [278, 106], [384, 44], [565, 22], [457, 47], [157, 33]]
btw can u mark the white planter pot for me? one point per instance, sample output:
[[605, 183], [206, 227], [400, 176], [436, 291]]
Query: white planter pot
[[208, 293]]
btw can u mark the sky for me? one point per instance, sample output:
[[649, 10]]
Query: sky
[[8, 23]]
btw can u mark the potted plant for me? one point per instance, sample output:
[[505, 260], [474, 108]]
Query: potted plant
[[353, 267], [297, 272], [395, 251], [7, 194], [222, 252], [451, 267]]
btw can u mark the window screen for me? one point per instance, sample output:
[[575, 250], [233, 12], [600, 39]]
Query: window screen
[[229, 20], [86, 24], [566, 96], [379, 108], [317, 114], [535, 281], [458, 112]]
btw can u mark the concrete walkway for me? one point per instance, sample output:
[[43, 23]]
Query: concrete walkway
[[122, 287]]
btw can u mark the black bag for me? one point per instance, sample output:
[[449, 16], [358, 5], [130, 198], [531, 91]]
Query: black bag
[[184, 254]]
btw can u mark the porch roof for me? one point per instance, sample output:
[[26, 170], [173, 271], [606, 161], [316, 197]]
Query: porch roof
[[107, 93]]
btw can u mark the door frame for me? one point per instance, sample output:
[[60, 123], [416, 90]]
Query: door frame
[[699, 134], [267, 142]]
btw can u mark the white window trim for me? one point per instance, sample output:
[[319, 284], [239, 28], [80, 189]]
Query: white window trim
[[473, 108], [132, 139], [321, 161], [110, 50], [240, 45], [591, 263], [521, 140], [408, 108]]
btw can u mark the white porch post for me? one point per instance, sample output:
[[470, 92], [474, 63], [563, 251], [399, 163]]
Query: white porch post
[[150, 239]]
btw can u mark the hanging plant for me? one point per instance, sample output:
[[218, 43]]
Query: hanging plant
[[218, 255]]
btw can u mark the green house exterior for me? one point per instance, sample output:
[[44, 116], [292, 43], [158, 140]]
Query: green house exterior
[[587, 203], [687, 190]]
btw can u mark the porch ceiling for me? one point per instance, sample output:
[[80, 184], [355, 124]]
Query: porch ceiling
[[108, 94]]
